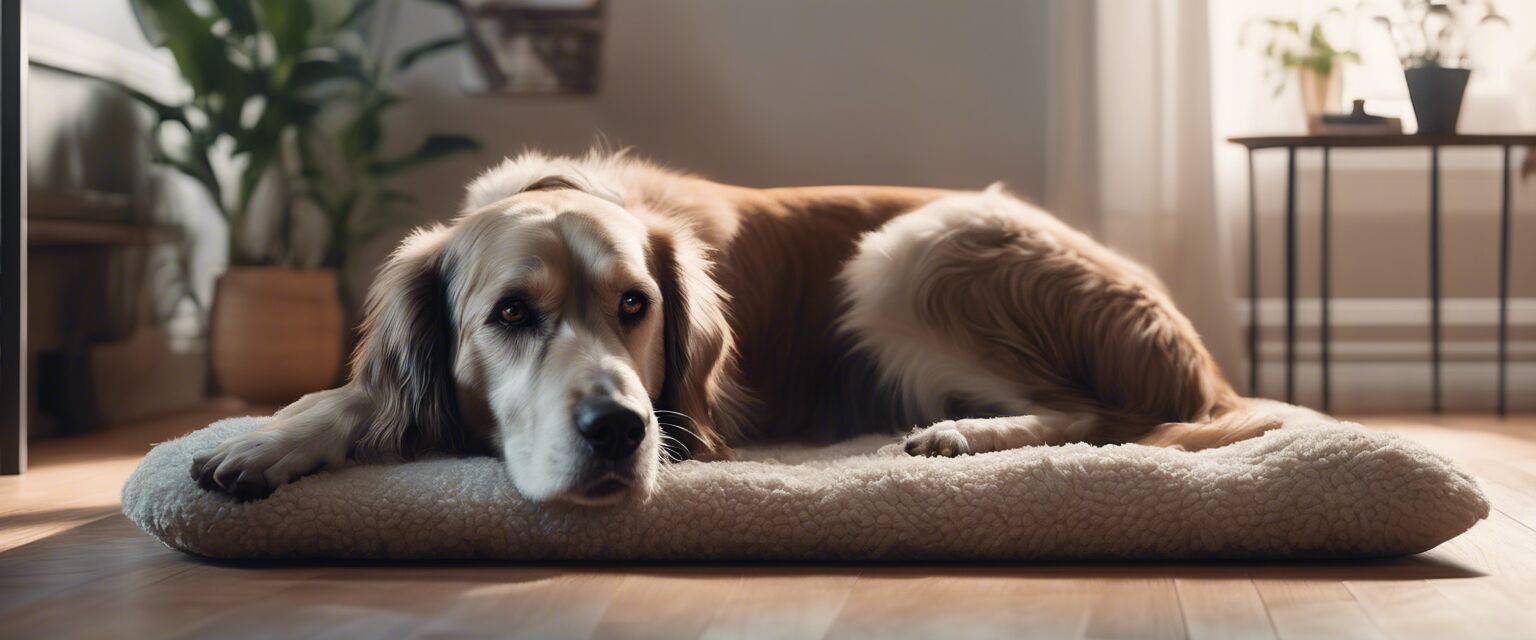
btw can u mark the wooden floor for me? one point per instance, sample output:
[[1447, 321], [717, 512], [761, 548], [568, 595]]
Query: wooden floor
[[72, 566]]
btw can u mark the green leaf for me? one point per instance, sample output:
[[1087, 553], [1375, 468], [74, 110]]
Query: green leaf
[[267, 128], [361, 138], [258, 160], [289, 22], [234, 88], [238, 13], [359, 10], [415, 54], [201, 56], [324, 65], [434, 148]]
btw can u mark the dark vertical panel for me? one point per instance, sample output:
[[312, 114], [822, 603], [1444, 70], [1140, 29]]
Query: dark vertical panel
[[1290, 274], [1253, 282], [13, 244], [1504, 224], [1434, 277], [1326, 286]]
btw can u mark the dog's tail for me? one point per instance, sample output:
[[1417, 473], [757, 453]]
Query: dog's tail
[[1247, 418]]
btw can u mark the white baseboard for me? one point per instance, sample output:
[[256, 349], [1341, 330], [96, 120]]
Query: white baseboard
[[1373, 375], [1399, 351], [1392, 312], [1383, 387]]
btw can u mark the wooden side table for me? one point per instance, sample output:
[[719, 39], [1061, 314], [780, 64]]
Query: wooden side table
[[1327, 143]]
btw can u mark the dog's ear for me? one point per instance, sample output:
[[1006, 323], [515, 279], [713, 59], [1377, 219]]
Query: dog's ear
[[700, 377], [403, 362]]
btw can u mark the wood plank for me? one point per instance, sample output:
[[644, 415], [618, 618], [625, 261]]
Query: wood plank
[[915, 602], [1511, 489], [1498, 546], [558, 604], [1502, 604], [1136, 608], [802, 604], [318, 608], [1414, 609], [1223, 608], [157, 600], [97, 550], [1314, 609], [649, 605]]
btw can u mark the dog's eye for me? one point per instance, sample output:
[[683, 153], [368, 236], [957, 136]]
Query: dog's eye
[[513, 312], [632, 306]]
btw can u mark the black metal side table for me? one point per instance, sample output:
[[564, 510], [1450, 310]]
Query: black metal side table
[[1327, 143]]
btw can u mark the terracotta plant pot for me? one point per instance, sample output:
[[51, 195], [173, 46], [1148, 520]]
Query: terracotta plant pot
[[277, 333], [1320, 93]]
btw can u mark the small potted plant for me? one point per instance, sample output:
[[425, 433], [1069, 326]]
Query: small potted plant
[[1433, 40], [288, 94], [1307, 53]]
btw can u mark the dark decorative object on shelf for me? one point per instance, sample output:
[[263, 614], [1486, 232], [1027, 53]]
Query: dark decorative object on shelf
[[1436, 94], [1434, 41], [1356, 122]]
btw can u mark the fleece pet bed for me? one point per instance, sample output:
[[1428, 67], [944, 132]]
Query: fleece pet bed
[[1304, 491]]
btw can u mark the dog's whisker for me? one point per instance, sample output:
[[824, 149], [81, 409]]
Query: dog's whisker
[[676, 413], [667, 444], [681, 428], [675, 426]]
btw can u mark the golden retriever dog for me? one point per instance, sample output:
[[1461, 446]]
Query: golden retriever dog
[[590, 319]]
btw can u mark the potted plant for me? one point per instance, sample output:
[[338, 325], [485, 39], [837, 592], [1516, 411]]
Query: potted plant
[[288, 94], [1310, 56], [1433, 40]]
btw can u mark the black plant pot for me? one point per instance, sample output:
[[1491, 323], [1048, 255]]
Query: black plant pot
[[1436, 94]]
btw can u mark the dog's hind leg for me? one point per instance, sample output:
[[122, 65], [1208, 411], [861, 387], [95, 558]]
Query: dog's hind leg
[[1252, 418], [983, 301]]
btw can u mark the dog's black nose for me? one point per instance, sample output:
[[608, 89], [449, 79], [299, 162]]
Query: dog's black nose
[[613, 430]]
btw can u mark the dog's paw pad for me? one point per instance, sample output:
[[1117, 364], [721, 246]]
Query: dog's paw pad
[[251, 466], [938, 440]]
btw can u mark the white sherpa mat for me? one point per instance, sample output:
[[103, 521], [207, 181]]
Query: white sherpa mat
[[1298, 492]]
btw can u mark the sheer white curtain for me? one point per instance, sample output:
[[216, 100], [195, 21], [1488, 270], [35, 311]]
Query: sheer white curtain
[[1132, 155]]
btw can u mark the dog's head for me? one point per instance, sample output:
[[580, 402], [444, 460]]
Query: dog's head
[[583, 339]]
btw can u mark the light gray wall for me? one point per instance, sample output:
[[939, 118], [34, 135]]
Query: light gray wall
[[789, 92], [109, 19]]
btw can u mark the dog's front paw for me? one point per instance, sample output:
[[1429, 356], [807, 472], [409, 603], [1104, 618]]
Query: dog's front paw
[[941, 439], [251, 466]]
